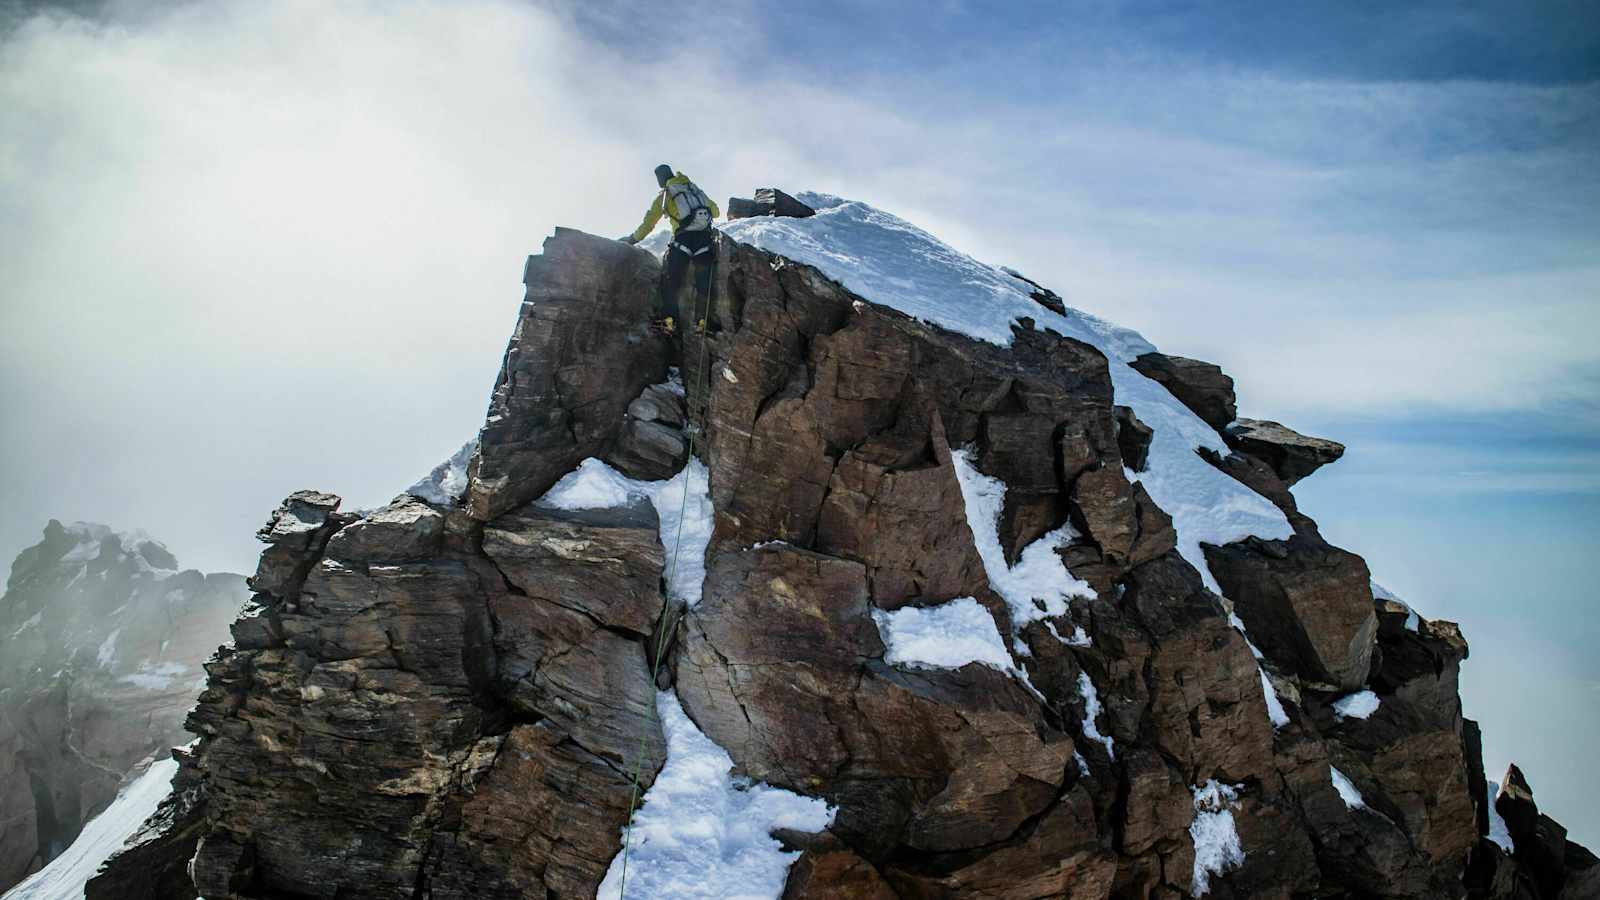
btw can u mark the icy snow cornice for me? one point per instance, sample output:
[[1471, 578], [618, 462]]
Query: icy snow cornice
[[890, 261], [1381, 593]]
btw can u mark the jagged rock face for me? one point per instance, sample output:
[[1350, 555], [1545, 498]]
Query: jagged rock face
[[101, 644], [448, 702], [1306, 603], [1291, 454], [1201, 386], [582, 351]]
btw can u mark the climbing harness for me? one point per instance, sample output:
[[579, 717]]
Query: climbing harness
[[666, 626], [681, 248]]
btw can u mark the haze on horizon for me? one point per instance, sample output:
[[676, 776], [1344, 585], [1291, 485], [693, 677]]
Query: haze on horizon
[[253, 248]]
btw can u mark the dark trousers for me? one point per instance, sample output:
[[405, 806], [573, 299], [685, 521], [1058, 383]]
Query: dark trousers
[[688, 249]]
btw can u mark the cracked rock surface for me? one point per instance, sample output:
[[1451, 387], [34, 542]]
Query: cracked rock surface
[[437, 701]]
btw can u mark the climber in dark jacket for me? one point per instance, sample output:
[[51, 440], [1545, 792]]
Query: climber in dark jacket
[[691, 211]]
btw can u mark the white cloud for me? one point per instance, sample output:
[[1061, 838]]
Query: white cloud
[[251, 248]]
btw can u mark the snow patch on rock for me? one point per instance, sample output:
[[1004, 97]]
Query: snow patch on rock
[[1347, 789], [1275, 710], [1359, 705], [107, 653], [947, 636], [1039, 574], [700, 832], [683, 506], [1091, 711], [155, 676], [1216, 839], [1380, 593]]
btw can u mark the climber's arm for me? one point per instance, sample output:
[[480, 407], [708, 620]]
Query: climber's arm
[[650, 220]]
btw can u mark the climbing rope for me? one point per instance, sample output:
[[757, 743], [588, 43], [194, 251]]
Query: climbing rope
[[662, 629]]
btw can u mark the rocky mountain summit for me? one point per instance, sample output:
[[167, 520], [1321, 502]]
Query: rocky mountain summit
[[899, 578], [102, 639]]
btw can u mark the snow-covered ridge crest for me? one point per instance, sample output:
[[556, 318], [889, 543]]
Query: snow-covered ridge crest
[[890, 261]]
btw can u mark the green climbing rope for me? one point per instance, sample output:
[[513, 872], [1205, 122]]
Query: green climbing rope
[[664, 624]]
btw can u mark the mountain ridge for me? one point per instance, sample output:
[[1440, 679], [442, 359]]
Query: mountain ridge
[[1148, 737]]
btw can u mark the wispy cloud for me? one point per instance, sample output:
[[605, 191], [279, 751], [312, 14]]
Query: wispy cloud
[[219, 218]]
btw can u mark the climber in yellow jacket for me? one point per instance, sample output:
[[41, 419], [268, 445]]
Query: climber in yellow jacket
[[690, 210]]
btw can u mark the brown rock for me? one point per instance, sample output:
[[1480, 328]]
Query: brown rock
[[405, 529], [581, 352], [1059, 856], [1133, 439], [1306, 603], [829, 870], [803, 704], [652, 445], [603, 563], [541, 819], [1198, 385], [907, 524], [1291, 454]]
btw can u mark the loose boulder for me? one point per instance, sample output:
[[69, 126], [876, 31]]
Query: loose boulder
[[1291, 454], [1198, 385]]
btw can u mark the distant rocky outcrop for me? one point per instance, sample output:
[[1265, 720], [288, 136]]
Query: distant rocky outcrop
[[768, 202], [449, 698], [102, 639]]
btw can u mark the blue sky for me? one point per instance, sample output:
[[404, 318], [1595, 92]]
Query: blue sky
[[252, 248]]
